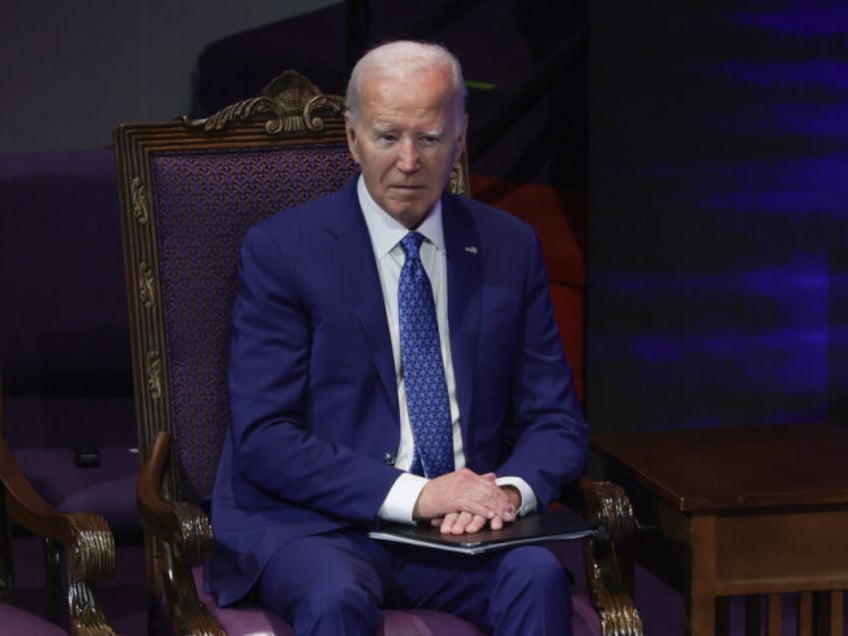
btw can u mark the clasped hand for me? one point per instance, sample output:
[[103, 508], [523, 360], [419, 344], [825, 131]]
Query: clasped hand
[[463, 502]]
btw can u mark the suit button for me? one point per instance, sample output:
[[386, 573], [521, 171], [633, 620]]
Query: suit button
[[390, 458]]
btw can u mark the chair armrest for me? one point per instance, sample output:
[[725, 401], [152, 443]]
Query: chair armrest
[[86, 538], [609, 565], [184, 526], [183, 539]]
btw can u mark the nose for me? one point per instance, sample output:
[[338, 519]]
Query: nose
[[408, 156]]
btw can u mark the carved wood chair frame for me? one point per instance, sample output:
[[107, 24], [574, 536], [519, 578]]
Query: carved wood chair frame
[[178, 534]]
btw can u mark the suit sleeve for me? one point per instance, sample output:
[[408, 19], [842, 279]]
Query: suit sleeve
[[274, 446], [547, 433]]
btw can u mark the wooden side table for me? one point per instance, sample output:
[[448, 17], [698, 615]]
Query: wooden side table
[[741, 511]]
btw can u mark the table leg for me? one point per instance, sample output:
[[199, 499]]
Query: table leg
[[700, 601]]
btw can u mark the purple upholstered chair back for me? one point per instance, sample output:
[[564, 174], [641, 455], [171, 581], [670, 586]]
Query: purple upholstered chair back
[[189, 190], [204, 201]]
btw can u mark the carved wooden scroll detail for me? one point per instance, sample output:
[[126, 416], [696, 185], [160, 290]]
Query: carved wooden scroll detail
[[90, 558], [290, 103], [154, 375], [146, 285], [139, 199]]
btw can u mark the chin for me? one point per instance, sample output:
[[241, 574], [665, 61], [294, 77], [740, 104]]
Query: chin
[[410, 217]]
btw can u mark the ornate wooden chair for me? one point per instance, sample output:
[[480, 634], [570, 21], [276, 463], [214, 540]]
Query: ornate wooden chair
[[189, 189], [84, 539]]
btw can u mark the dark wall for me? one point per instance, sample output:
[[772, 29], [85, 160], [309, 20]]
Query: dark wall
[[717, 234], [718, 291], [71, 71], [525, 63]]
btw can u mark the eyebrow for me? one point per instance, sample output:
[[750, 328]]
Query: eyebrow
[[380, 129]]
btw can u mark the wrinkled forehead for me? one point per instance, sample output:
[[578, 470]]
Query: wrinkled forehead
[[423, 94], [436, 75]]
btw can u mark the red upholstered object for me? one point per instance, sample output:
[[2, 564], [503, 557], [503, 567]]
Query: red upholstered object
[[559, 217]]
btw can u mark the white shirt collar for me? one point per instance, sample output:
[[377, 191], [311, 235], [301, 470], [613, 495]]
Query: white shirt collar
[[386, 232]]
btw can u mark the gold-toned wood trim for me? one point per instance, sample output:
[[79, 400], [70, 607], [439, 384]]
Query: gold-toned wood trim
[[181, 536], [140, 200], [86, 538], [290, 110], [610, 579], [146, 285], [291, 103], [154, 375]]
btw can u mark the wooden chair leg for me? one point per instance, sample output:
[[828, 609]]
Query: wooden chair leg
[[52, 580]]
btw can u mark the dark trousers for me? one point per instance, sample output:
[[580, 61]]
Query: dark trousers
[[338, 583]]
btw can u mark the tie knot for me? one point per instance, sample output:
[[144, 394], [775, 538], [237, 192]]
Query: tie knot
[[411, 243]]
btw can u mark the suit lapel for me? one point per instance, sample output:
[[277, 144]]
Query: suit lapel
[[362, 284], [465, 278]]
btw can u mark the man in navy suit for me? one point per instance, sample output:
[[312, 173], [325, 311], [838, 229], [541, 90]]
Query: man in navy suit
[[323, 444]]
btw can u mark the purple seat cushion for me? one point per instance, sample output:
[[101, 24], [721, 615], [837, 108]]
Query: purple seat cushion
[[108, 489], [14, 622], [584, 618], [249, 618]]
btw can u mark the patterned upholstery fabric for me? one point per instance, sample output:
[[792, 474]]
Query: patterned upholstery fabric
[[202, 219]]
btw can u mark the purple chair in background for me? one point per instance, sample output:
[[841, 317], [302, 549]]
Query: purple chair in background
[[83, 540], [64, 335], [64, 353], [189, 189]]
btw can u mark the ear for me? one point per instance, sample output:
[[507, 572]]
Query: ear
[[352, 141]]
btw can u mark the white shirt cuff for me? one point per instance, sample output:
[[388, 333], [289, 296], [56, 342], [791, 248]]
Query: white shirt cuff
[[529, 503], [400, 502]]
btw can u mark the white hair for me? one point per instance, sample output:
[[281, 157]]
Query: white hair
[[399, 59]]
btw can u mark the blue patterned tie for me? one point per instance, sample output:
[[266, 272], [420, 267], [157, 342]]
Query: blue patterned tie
[[423, 371]]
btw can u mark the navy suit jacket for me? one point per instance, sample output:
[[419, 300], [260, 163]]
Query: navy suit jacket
[[313, 386]]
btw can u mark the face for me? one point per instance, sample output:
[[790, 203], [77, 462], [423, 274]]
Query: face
[[405, 141]]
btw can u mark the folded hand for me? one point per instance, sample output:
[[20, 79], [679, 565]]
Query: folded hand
[[463, 502]]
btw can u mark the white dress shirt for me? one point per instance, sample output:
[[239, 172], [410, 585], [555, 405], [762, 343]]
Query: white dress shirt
[[386, 233]]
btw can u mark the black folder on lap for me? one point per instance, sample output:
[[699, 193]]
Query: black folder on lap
[[556, 524]]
